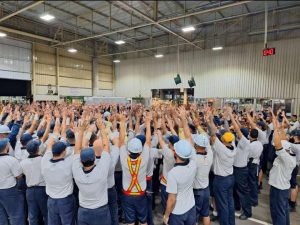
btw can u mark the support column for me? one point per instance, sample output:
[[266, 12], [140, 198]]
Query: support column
[[95, 69], [185, 100], [33, 80], [57, 72]]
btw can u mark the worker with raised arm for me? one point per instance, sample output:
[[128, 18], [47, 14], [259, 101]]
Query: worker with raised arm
[[257, 138], [280, 176], [224, 152], [204, 160], [90, 170], [57, 172], [240, 171], [134, 160]]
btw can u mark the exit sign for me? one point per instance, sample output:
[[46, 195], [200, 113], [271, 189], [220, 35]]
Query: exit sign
[[268, 51]]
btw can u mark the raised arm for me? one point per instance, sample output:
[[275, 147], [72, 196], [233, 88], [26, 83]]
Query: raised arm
[[148, 129], [47, 130], [122, 130], [104, 136], [251, 121], [81, 128], [211, 127], [186, 129], [236, 126]]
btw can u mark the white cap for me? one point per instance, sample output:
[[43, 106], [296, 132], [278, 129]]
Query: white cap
[[183, 149], [4, 129], [200, 139], [135, 145]]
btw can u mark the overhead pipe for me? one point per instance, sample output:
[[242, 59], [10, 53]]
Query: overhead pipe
[[35, 3], [160, 21]]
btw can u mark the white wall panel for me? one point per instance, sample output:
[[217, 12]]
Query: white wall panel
[[43, 89], [105, 93], [105, 85], [45, 79], [45, 58], [15, 59], [76, 73], [45, 69], [239, 71], [71, 82], [71, 91], [75, 63]]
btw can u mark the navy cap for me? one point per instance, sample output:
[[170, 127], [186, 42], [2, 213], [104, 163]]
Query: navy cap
[[70, 134], [58, 147], [173, 139], [25, 138], [193, 128], [142, 138], [41, 132], [261, 124], [87, 154], [52, 124], [3, 143], [295, 133], [33, 146], [245, 132]]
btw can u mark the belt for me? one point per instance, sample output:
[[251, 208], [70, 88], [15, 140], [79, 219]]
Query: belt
[[104, 206], [244, 167], [36, 187], [111, 188]]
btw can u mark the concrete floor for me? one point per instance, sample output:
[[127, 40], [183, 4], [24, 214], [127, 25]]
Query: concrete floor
[[261, 213]]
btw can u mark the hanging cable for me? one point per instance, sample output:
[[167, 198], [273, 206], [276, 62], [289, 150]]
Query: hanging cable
[[266, 24]]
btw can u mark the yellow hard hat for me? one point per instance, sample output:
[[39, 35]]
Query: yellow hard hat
[[228, 137]]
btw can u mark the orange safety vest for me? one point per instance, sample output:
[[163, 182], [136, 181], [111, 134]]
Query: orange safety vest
[[134, 174]]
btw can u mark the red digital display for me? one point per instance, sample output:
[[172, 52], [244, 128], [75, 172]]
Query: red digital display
[[269, 51]]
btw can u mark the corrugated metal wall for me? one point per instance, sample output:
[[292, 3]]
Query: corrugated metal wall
[[239, 71], [15, 59], [105, 77]]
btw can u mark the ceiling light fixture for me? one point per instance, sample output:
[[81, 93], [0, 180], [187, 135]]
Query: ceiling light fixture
[[117, 61], [47, 17], [217, 48], [120, 42], [3, 34], [188, 29], [159, 55], [72, 50]]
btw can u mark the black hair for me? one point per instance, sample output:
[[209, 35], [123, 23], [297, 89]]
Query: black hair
[[134, 155], [88, 163], [254, 133]]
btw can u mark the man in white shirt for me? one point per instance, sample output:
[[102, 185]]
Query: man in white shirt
[[280, 176], [20, 149], [90, 171], [204, 160], [11, 199], [57, 172], [36, 196], [181, 202], [224, 153], [134, 160]]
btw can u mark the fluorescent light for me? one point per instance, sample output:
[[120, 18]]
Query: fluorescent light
[[120, 42], [217, 48], [2, 34], [117, 61], [188, 29], [72, 50], [47, 17], [159, 55]]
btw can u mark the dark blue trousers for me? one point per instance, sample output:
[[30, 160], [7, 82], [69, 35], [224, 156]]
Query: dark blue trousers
[[149, 194], [164, 197], [37, 205], [98, 216], [253, 182], [61, 211], [279, 206], [188, 218], [202, 202], [12, 207], [223, 190], [135, 208], [113, 205], [119, 189], [241, 192]]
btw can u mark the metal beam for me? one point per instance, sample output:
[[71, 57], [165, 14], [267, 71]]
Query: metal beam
[[156, 23], [27, 34], [160, 21], [31, 5]]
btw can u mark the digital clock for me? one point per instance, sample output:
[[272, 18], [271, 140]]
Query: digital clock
[[268, 51]]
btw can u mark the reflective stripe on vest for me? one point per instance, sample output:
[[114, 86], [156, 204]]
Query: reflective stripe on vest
[[134, 175]]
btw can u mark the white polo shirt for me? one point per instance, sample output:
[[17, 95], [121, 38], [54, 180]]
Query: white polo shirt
[[114, 154], [262, 136], [282, 169], [58, 175], [223, 158], [204, 163], [32, 170], [9, 169], [242, 153], [93, 185], [168, 162], [255, 150], [20, 152], [154, 154], [141, 178], [296, 149], [180, 182]]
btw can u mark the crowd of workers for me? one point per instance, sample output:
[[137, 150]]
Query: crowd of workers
[[67, 164]]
